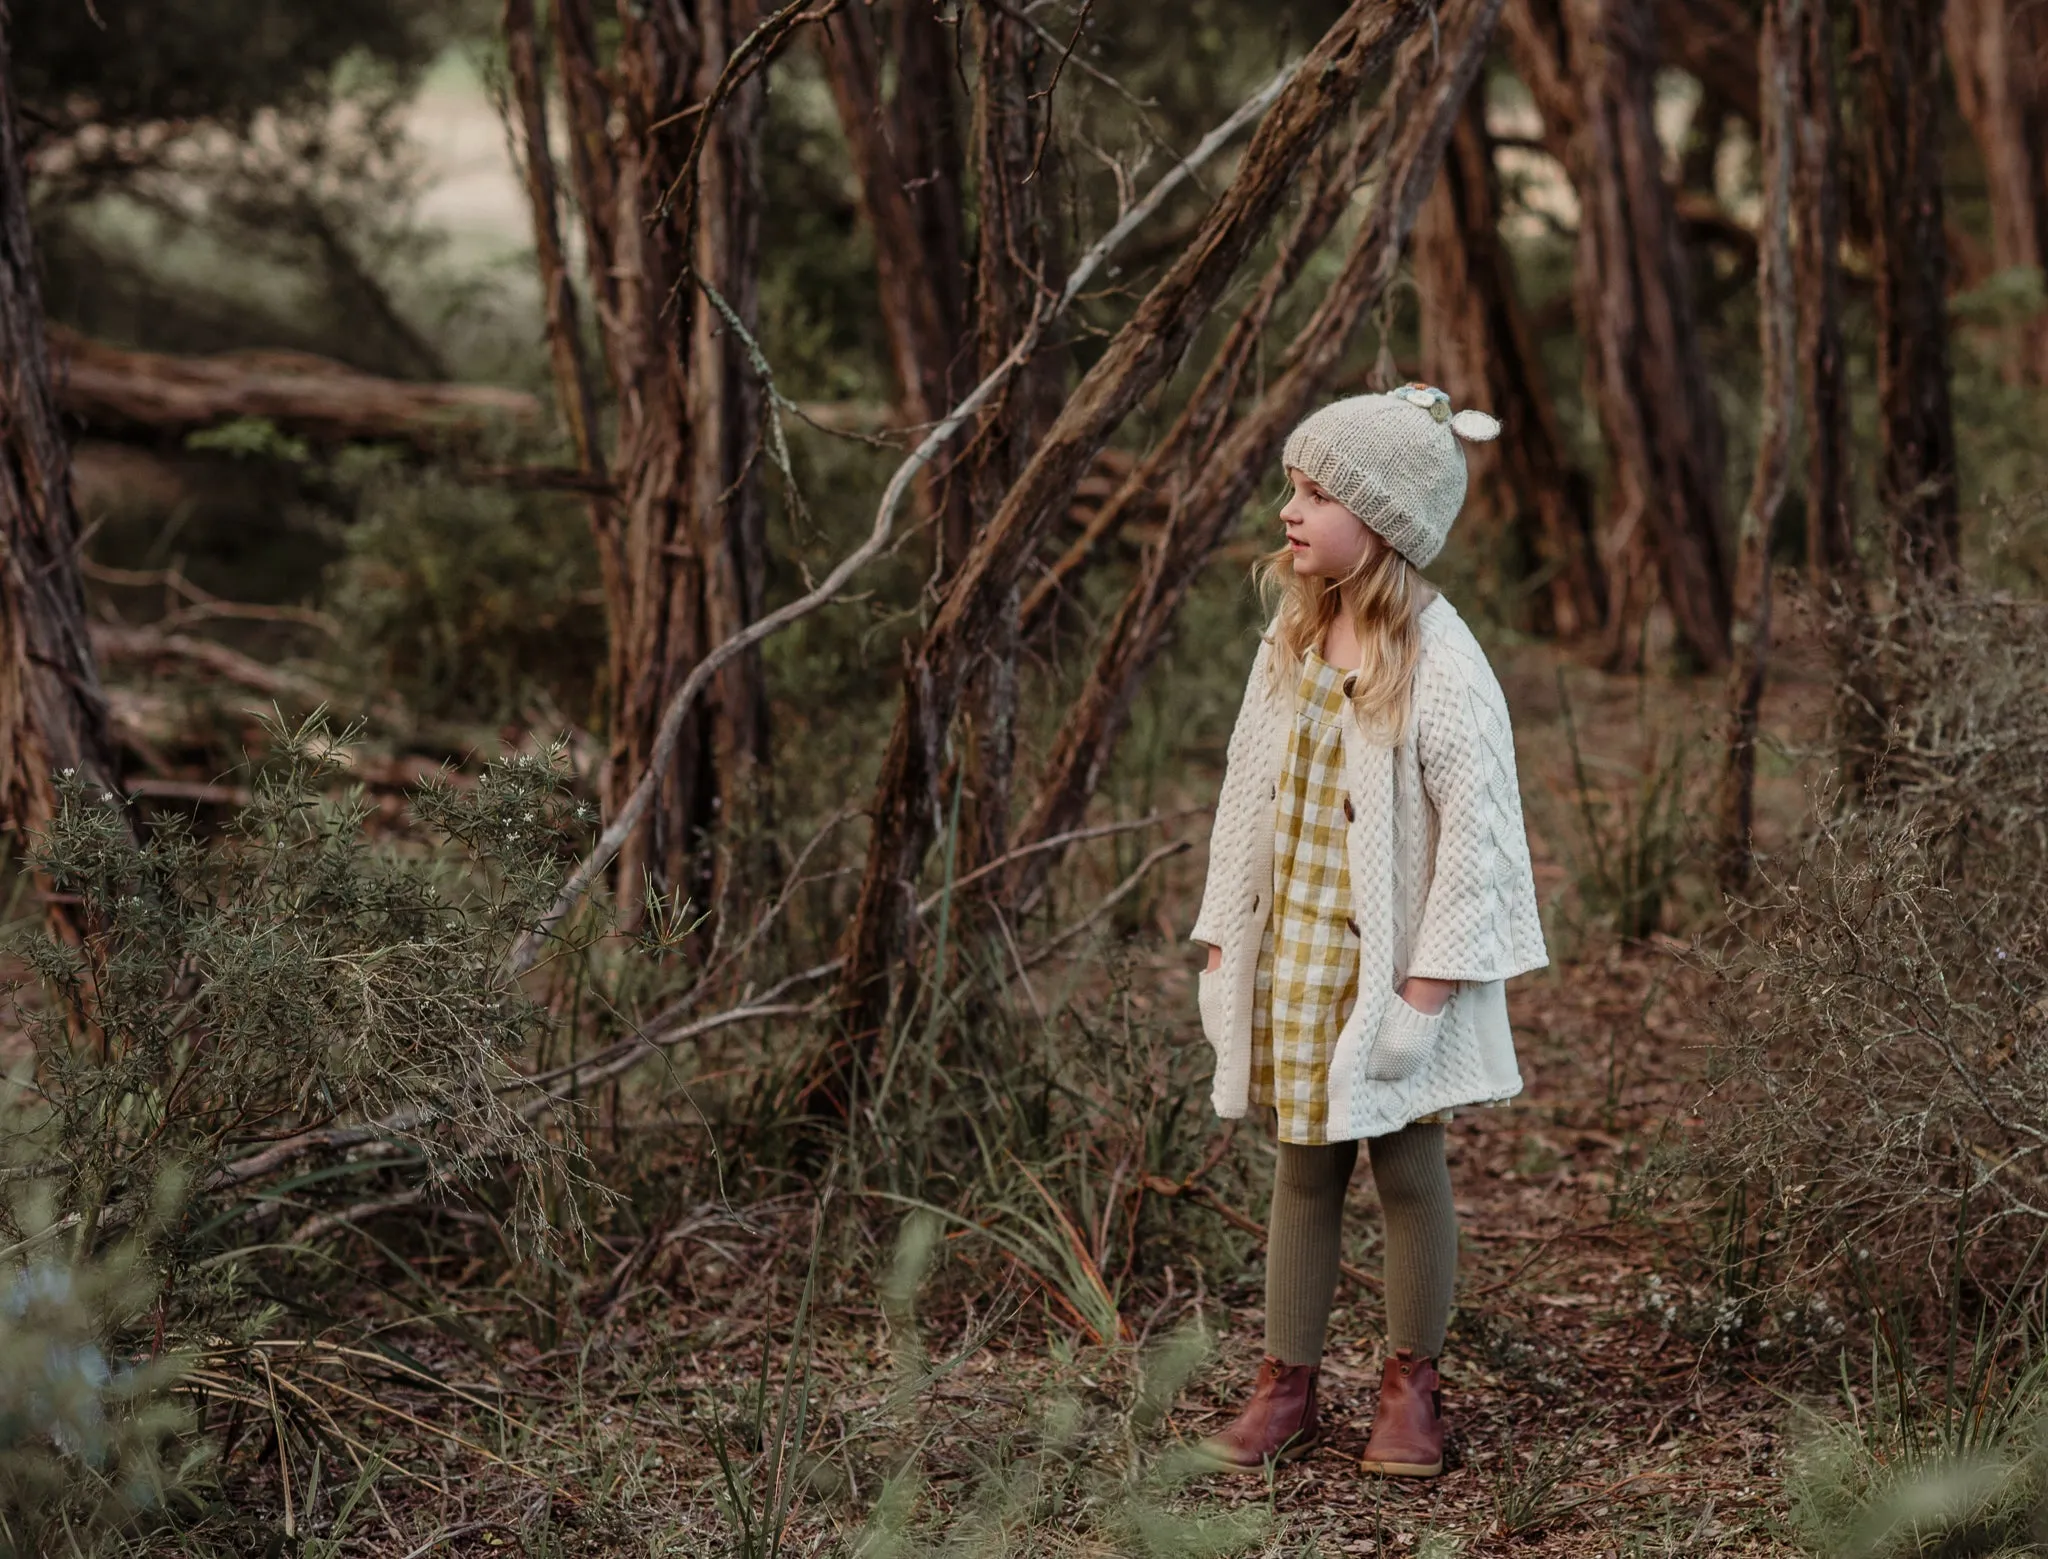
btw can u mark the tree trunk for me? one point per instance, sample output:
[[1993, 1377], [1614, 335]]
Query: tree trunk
[[905, 150], [1834, 566], [1781, 58], [575, 394], [724, 404], [53, 716], [686, 554], [1527, 498], [1014, 175], [1715, 42], [1143, 352], [1899, 43], [1431, 81], [1998, 52], [1590, 65]]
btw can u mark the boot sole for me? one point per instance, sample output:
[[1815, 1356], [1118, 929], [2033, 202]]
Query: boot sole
[[1293, 1451], [1404, 1469]]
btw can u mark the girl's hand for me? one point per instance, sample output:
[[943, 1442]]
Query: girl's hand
[[1425, 996], [1215, 959]]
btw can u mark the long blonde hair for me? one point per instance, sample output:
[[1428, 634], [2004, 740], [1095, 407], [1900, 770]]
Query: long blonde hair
[[1385, 595]]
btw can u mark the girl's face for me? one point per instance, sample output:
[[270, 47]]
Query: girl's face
[[1327, 539]]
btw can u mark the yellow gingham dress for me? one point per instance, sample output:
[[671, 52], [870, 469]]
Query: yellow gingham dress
[[1308, 960], [1307, 979]]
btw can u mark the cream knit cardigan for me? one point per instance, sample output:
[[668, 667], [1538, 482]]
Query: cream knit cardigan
[[1440, 885]]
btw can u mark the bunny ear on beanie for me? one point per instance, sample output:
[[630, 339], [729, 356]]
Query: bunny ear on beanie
[[1475, 427]]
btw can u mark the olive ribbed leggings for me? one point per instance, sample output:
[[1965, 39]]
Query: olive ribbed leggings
[[1304, 1240]]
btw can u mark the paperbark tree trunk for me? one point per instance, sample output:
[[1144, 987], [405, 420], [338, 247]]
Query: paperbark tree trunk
[[575, 392], [1527, 498], [906, 803], [905, 149], [1899, 44], [682, 543], [1715, 41], [1998, 53], [1432, 79], [1590, 65], [1781, 60], [1834, 564], [1014, 175], [53, 716]]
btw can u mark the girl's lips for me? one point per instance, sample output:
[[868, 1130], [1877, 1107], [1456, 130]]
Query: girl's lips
[[1298, 546]]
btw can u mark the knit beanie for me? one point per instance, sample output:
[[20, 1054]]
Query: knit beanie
[[1394, 461]]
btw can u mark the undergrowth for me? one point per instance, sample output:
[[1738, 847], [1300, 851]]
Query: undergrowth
[[236, 1046]]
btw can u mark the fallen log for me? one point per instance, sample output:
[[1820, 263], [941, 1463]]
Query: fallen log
[[113, 642], [116, 392]]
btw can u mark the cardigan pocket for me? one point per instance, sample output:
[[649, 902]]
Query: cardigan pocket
[[1405, 1040]]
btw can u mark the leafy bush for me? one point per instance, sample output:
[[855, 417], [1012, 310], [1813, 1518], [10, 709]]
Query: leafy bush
[[284, 1018], [468, 601]]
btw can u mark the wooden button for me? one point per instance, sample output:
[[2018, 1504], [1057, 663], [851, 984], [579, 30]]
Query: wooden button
[[1349, 815], [1353, 925]]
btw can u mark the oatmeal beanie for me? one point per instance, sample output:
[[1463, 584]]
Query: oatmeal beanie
[[1393, 460]]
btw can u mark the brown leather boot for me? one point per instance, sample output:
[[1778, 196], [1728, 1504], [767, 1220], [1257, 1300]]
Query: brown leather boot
[[1408, 1430], [1277, 1425]]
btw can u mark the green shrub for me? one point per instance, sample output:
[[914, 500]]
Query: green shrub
[[469, 602], [282, 1019]]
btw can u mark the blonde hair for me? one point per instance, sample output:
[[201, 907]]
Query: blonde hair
[[1385, 595]]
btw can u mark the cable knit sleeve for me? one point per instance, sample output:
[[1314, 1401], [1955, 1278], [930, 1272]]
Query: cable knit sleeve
[[1230, 844], [1479, 921]]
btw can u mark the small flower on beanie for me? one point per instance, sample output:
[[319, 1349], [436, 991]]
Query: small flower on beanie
[[1473, 426], [1429, 398]]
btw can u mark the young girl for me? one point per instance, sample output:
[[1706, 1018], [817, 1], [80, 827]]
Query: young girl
[[1368, 894]]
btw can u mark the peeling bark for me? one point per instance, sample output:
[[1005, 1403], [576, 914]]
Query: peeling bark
[[1899, 44], [682, 542], [1527, 498], [1014, 259], [905, 149], [1590, 65], [1176, 459], [53, 714], [1780, 64], [1432, 80]]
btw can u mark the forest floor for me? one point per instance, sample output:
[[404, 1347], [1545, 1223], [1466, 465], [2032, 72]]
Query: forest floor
[[1582, 1423]]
